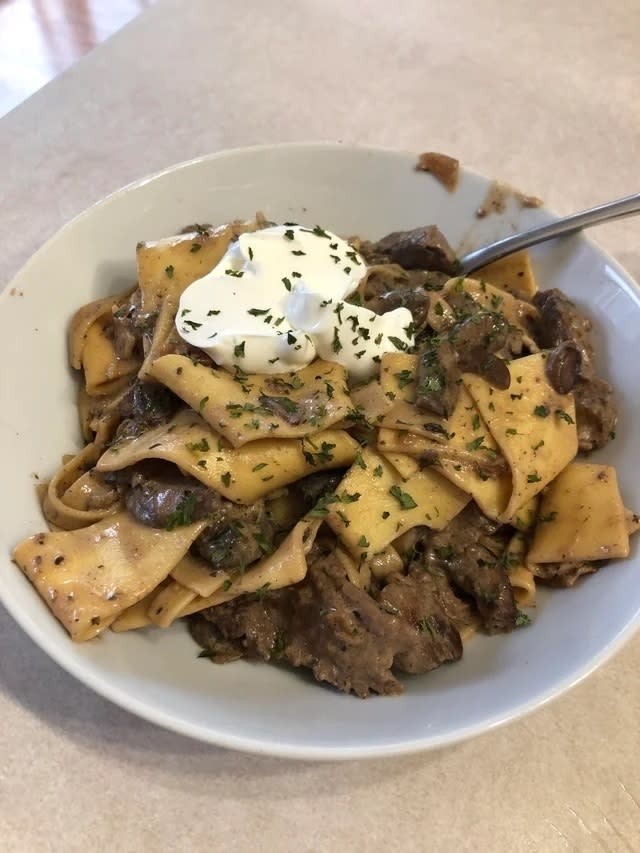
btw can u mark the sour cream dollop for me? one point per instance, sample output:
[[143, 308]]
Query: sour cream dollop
[[276, 300]]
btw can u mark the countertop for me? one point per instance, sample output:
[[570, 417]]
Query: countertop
[[544, 95]]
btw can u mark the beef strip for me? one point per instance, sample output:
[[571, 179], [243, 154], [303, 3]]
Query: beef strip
[[417, 600], [421, 248], [560, 322], [564, 574], [596, 412], [438, 378], [145, 405], [238, 535], [468, 550], [158, 495], [337, 630]]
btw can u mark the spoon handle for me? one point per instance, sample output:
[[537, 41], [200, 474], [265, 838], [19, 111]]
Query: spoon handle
[[567, 225]]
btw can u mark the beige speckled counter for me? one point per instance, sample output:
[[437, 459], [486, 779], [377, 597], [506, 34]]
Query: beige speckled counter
[[545, 95]]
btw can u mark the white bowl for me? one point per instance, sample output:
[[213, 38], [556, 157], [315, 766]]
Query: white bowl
[[156, 674]]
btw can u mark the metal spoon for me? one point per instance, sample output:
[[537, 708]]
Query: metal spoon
[[560, 228]]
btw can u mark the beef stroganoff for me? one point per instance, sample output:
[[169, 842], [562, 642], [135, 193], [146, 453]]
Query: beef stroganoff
[[336, 454]]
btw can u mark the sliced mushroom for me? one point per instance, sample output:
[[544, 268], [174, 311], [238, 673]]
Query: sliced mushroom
[[562, 367], [438, 378], [487, 365]]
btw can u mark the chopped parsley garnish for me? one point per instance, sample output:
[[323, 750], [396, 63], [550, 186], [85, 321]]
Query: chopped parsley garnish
[[287, 282], [183, 514], [169, 271], [475, 422], [234, 273], [195, 247], [259, 466], [288, 234], [336, 344], [476, 444], [192, 325], [398, 344], [377, 471], [213, 313], [541, 411], [362, 542], [550, 516], [203, 403], [533, 478], [257, 312], [238, 350], [359, 460], [522, 619], [226, 478], [404, 377], [201, 446], [404, 498], [565, 416], [386, 514], [298, 252]]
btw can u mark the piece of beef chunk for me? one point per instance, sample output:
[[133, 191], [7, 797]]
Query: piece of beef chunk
[[420, 248], [596, 412], [346, 637], [237, 535], [469, 551], [417, 600], [560, 320]]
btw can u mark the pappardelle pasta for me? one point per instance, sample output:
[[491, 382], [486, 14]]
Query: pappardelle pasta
[[402, 471]]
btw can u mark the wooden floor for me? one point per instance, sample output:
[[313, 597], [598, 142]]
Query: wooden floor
[[41, 38]]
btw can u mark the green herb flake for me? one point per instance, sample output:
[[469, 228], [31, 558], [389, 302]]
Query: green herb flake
[[169, 271], [541, 411], [404, 498], [195, 247], [201, 446], [183, 514], [565, 416], [226, 479]]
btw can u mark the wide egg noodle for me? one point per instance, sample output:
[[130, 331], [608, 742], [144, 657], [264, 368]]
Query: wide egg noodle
[[468, 444], [87, 577], [518, 312], [395, 372], [581, 518], [232, 406], [374, 504], [533, 426], [84, 319], [512, 273], [241, 474], [104, 371], [521, 578], [75, 497], [166, 268], [286, 566]]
